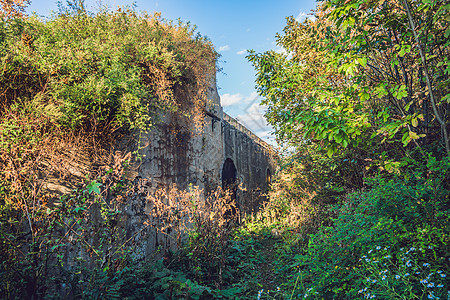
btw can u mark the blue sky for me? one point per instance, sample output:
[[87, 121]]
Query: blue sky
[[233, 26]]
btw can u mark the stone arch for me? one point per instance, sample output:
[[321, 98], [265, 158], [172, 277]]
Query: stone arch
[[268, 177], [229, 182], [229, 175]]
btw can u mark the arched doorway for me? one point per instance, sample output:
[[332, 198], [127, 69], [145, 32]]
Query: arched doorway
[[229, 175], [268, 177]]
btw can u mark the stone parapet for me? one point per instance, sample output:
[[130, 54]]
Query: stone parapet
[[235, 123]]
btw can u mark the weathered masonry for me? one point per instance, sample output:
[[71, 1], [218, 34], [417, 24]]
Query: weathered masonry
[[225, 152]]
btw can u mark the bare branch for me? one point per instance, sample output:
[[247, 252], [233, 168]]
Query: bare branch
[[427, 77]]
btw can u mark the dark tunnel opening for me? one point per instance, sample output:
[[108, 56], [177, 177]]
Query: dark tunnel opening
[[229, 182]]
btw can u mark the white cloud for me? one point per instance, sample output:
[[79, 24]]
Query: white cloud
[[253, 97], [302, 16], [251, 113], [228, 99], [267, 136], [280, 50], [231, 99], [224, 48], [254, 120], [256, 123], [256, 108], [241, 52]]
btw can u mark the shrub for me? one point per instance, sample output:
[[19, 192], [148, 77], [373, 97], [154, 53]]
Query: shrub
[[112, 67], [393, 214], [407, 275], [202, 227]]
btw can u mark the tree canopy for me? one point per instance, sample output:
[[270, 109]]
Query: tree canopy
[[370, 75]]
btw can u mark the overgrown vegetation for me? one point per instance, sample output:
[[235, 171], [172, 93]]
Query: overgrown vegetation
[[361, 96], [111, 68], [70, 88]]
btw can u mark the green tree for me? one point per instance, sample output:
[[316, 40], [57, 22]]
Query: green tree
[[364, 74]]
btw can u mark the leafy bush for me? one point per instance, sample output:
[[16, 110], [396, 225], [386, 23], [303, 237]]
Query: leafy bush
[[405, 276], [50, 244], [330, 250], [112, 67], [391, 215], [77, 247], [202, 226], [71, 86]]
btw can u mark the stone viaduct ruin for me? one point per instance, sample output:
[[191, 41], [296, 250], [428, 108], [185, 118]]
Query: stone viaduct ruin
[[224, 153]]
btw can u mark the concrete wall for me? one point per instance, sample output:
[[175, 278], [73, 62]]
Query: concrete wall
[[254, 160]]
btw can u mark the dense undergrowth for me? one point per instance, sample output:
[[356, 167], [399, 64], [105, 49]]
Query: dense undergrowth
[[361, 97], [79, 69], [388, 240]]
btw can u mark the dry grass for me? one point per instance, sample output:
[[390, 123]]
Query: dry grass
[[12, 8]]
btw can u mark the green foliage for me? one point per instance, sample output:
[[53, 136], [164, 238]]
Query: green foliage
[[78, 249], [75, 83], [110, 68], [343, 85], [360, 211], [283, 254], [71, 244], [398, 213], [360, 96], [405, 276]]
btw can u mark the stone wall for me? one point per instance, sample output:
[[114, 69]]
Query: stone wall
[[175, 152], [178, 154], [254, 160]]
